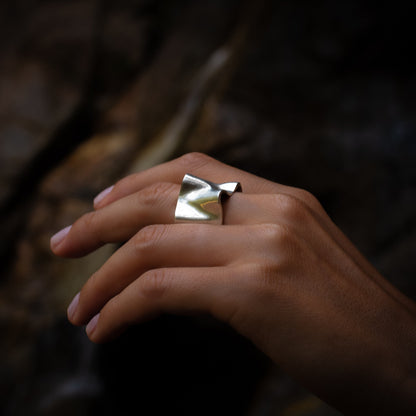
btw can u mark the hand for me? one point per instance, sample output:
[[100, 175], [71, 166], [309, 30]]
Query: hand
[[278, 271]]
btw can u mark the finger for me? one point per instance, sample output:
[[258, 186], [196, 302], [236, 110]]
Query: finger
[[119, 221], [173, 290], [161, 246], [174, 171]]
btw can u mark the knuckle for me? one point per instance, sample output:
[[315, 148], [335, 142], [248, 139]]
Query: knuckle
[[148, 237], [91, 223], [155, 283], [275, 235], [291, 208], [156, 194], [89, 220], [194, 160], [267, 276], [308, 198]]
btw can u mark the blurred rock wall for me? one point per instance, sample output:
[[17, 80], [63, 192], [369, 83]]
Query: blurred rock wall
[[313, 94]]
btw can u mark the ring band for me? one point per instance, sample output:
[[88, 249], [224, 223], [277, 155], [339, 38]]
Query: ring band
[[200, 201]]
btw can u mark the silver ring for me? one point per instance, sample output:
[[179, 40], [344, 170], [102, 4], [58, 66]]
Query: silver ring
[[200, 200]]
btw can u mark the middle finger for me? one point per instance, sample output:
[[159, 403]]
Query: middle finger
[[179, 245]]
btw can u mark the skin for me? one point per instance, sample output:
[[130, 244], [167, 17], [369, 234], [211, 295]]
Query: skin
[[278, 271]]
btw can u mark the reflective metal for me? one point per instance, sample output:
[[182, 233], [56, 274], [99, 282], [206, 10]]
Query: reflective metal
[[201, 201]]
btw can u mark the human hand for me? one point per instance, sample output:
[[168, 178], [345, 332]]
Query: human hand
[[278, 271]]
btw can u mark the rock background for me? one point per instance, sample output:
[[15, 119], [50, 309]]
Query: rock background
[[313, 94]]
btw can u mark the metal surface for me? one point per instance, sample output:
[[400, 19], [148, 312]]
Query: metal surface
[[201, 201]]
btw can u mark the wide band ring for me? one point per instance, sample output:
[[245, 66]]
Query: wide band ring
[[200, 201]]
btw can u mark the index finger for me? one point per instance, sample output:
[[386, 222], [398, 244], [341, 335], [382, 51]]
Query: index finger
[[195, 163]]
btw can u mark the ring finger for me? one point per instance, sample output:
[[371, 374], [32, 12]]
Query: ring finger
[[155, 204]]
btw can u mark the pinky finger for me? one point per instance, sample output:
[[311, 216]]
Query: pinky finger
[[171, 290]]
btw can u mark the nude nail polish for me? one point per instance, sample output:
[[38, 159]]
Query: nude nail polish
[[92, 325], [102, 195], [73, 306], [59, 236]]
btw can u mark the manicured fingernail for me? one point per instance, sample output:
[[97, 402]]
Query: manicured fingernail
[[59, 236], [102, 195], [92, 325], [73, 306]]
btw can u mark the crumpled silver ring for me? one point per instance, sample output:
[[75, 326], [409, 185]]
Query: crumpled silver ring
[[200, 201]]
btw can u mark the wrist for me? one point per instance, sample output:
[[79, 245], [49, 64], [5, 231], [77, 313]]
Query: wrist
[[385, 382], [402, 397]]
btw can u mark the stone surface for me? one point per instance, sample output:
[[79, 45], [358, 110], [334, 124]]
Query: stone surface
[[318, 95]]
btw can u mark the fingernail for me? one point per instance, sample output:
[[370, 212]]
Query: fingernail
[[92, 325], [102, 195], [73, 306], [59, 236]]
